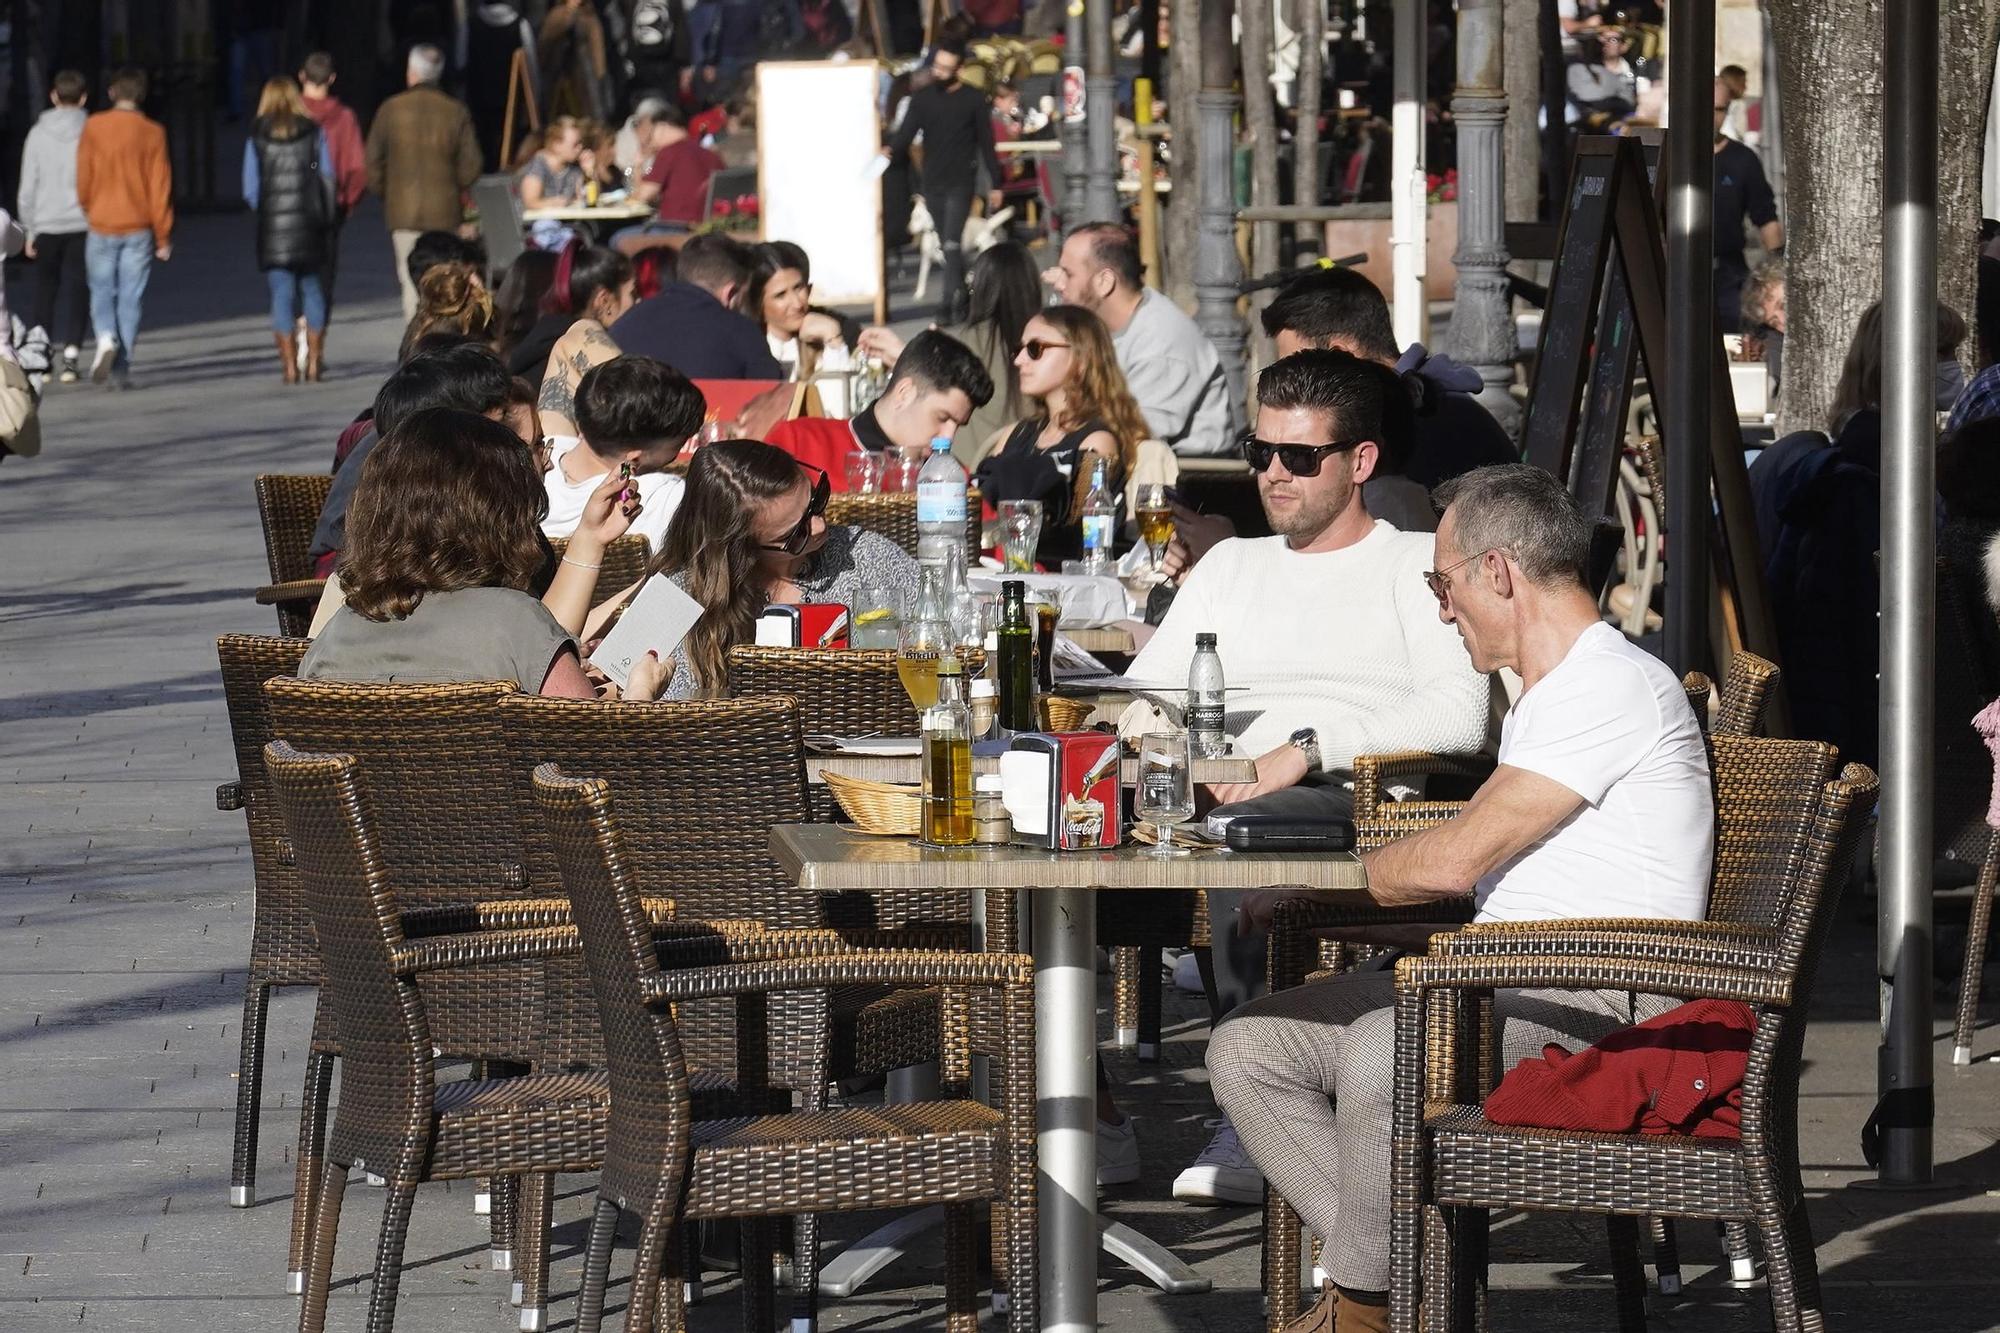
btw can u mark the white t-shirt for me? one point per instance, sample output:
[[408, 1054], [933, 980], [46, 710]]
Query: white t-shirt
[[659, 496], [1613, 725]]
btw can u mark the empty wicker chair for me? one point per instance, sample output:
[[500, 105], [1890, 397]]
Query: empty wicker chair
[[394, 1119], [288, 507], [1451, 1166], [672, 1171]]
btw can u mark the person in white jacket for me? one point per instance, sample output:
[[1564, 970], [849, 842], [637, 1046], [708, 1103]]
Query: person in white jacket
[[54, 221]]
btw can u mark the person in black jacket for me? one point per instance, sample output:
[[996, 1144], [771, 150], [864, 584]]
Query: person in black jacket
[[957, 129], [288, 181]]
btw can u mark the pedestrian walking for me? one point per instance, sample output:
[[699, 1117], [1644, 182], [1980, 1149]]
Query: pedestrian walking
[[956, 125], [288, 181], [53, 219], [422, 155], [125, 183], [342, 129]]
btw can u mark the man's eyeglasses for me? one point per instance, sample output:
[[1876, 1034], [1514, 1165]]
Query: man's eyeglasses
[[1439, 580], [1034, 347], [801, 536], [1301, 460]]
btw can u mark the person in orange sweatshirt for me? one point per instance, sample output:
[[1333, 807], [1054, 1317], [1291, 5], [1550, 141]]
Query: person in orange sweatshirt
[[124, 181]]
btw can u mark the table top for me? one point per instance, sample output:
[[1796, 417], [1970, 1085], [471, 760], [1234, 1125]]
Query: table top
[[627, 211], [829, 858], [909, 768]]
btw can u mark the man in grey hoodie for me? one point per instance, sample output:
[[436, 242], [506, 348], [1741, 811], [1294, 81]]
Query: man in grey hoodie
[[54, 219]]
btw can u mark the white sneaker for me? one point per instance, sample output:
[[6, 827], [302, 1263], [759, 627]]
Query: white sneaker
[[1187, 974], [100, 365], [1223, 1173], [1117, 1154]]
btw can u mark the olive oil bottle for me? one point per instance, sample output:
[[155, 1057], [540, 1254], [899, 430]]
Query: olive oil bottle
[[947, 730]]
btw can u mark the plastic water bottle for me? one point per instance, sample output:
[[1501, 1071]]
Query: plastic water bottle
[[1204, 701], [941, 488], [1100, 522]]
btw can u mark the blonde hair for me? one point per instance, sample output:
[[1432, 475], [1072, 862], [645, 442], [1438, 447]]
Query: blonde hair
[[281, 105]]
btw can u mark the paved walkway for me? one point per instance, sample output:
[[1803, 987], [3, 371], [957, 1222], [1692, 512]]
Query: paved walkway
[[125, 919]]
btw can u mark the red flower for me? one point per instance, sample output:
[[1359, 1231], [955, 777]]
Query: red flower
[[746, 204], [722, 208]]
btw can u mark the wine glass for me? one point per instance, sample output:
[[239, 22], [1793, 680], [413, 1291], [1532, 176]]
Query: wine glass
[[924, 635], [1156, 520], [1166, 787]]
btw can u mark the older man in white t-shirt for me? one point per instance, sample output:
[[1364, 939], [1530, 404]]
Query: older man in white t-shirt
[[1601, 807]]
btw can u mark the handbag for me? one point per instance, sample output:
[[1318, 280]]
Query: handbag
[[20, 411]]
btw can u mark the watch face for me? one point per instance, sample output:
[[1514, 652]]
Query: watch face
[[1305, 736]]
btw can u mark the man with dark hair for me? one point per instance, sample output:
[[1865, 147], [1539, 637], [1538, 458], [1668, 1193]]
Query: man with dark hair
[[337, 121], [1169, 364], [432, 248], [956, 125], [632, 411], [1601, 765], [1742, 192], [937, 383], [1339, 308], [470, 377], [53, 219], [422, 155], [125, 183], [1329, 642], [692, 323]]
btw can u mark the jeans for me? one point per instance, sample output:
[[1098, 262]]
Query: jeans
[[118, 268], [950, 205], [288, 291], [59, 275]]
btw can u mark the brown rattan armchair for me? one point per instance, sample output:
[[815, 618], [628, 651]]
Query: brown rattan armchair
[[1451, 1166], [288, 507], [672, 1171], [894, 515], [624, 563], [394, 1119]]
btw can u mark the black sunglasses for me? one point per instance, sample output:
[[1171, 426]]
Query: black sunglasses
[[1034, 347], [1301, 460], [800, 537]]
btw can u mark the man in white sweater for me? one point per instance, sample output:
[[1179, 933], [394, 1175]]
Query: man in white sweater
[[1330, 643]]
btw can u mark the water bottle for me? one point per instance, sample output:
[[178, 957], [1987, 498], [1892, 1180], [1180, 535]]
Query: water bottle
[[1204, 701], [941, 488], [1100, 522]]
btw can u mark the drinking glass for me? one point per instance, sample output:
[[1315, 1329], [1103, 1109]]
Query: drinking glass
[[864, 471], [1156, 520], [1166, 787], [924, 635], [899, 472], [878, 615], [1020, 534]]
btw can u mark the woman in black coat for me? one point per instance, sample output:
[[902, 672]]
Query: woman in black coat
[[288, 180]]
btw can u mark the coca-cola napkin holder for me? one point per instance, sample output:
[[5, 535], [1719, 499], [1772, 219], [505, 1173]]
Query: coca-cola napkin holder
[[1061, 789]]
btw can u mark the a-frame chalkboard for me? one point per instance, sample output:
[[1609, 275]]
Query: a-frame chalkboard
[[1607, 301]]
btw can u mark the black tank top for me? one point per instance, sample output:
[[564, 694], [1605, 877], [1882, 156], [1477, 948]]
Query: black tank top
[[1020, 471]]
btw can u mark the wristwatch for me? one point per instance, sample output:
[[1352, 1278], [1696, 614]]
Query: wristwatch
[[1306, 741]]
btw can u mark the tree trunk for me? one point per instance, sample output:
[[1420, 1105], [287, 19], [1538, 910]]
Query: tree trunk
[[1305, 143], [1829, 73], [1260, 127], [1523, 38], [1184, 204]]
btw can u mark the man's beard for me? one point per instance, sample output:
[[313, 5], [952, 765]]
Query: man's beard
[[1310, 518]]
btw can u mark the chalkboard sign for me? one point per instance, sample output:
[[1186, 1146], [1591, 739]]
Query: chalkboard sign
[[1593, 472], [1575, 291]]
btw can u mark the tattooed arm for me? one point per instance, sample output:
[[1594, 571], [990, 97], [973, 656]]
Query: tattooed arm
[[585, 345]]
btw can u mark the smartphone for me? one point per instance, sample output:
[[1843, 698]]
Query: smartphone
[[1279, 833]]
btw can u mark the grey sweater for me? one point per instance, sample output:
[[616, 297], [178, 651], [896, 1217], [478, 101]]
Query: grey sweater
[[48, 173]]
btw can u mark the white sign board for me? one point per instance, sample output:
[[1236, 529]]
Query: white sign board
[[818, 181]]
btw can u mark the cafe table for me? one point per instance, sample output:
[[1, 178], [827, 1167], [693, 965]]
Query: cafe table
[[629, 210], [909, 767], [828, 858]]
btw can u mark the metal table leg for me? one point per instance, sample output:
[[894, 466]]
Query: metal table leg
[[1065, 949]]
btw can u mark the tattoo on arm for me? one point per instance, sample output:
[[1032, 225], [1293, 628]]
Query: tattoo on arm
[[557, 396]]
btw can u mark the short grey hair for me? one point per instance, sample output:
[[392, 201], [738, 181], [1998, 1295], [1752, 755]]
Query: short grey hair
[[649, 108], [426, 63], [1525, 512]]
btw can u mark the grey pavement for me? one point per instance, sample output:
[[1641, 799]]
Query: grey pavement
[[124, 927]]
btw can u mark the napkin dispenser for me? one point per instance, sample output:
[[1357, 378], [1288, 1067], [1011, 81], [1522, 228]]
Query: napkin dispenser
[[1061, 789]]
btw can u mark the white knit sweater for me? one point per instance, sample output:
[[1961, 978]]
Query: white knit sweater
[[1347, 642]]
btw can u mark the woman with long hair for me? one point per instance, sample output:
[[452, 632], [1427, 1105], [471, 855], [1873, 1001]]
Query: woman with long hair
[[1086, 415], [803, 340], [1006, 292], [444, 545], [751, 531], [588, 282], [288, 181], [452, 298], [517, 302]]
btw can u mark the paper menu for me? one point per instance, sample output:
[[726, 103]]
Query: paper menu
[[659, 617]]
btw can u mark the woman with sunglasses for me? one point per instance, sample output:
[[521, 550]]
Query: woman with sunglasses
[[750, 532], [1067, 365]]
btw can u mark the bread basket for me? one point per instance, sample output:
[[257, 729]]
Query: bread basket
[[887, 809]]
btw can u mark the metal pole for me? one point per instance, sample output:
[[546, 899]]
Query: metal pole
[[1408, 189], [1100, 106], [1075, 163], [1909, 581], [1065, 934], [1218, 272], [1305, 140], [1482, 320], [1689, 362]]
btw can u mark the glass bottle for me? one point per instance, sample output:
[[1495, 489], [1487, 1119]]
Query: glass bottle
[[947, 731], [1016, 671], [1100, 521]]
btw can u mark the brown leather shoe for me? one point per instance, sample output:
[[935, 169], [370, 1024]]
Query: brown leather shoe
[[288, 352], [315, 356], [1320, 1318]]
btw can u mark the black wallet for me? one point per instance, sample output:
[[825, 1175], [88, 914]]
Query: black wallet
[[1277, 833]]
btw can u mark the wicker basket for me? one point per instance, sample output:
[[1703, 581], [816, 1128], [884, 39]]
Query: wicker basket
[[888, 809], [1061, 713]]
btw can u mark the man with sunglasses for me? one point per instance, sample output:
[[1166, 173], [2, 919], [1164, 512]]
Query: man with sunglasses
[[1600, 807], [1330, 645]]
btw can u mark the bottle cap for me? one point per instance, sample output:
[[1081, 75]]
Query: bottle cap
[[940, 443], [985, 689], [1202, 641], [987, 782], [1013, 589]]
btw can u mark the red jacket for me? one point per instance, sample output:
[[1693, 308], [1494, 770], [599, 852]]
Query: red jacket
[[824, 442], [1679, 1073], [343, 143]]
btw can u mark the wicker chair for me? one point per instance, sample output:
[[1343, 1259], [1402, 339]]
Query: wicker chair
[[672, 1172], [288, 507], [394, 1119], [283, 951], [1451, 1166], [625, 561], [894, 515]]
